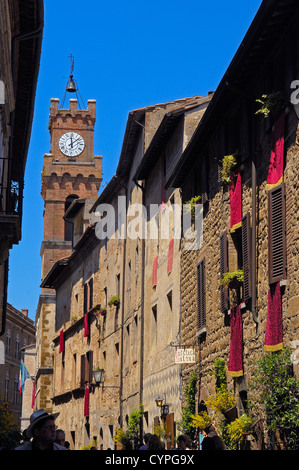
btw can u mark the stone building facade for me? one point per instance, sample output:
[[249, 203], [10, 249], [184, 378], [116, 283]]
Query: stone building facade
[[162, 289], [19, 334], [119, 340], [252, 223], [21, 27]]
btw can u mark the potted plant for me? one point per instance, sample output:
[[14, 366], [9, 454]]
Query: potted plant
[[224, 402], [228, 169], [114, 300], [271, 104], [232, 279], [201, 420], [238, 429], [191, 204], [101, 311]]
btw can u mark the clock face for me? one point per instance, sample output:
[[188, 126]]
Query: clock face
[[71, 144]]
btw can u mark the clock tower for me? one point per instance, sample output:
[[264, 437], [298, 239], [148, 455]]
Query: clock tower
[[70, 172]]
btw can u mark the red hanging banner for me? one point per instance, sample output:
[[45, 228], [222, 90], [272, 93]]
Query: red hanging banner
[[275, 172], [235, 194]]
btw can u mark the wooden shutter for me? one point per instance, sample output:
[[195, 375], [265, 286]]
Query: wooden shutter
[[82, 378], [277, 234], [204, 181], [85, 305], [89, 361], [90, 285], [223, 269], [201, 293], [170, 430], [246, 255]]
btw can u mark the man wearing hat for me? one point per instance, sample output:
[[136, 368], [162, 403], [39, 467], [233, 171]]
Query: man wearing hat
[[43, 431]]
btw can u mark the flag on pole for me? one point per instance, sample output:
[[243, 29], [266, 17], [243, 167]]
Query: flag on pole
[[23, 376]]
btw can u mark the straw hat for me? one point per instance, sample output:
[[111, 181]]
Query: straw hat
[[37, 416]]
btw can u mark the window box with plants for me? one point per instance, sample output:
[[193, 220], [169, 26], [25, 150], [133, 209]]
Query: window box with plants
[[101, 311], [190, 206], [233, 279], [114, 301], [271, 105], [229, 166]]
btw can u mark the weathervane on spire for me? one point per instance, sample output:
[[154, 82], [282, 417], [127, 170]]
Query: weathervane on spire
[[72, 86]]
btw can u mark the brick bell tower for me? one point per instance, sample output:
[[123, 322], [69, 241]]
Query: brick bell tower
[[70, 171]]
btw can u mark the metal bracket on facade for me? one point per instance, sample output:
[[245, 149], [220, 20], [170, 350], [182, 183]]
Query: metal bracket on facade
[[173, 345]]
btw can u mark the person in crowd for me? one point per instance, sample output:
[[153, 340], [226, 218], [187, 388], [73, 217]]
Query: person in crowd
[[184, 442], [155, 443], [41, 432], [145, 438], [211, 440], [60, 437]]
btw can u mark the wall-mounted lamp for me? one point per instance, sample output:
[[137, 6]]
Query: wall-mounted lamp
[[164, 410], [99, 376], [159, 400]]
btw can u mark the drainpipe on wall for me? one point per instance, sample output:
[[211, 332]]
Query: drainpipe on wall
[[253, 231], [142, 312], [122, 338], [4, 298]]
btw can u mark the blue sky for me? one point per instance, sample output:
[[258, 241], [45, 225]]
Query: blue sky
[[128, 54]]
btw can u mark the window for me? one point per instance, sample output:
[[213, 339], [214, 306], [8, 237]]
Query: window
[[74, 374], [223, 269], [90, 288], [88, 296], [16, 390], [277, 234], [17, 351], [86, 368], [154, 329], [85, 304], [6, 386], [246, 255], [201, 294], [68, 226], [118, 285], [8, 338], [169, 322]]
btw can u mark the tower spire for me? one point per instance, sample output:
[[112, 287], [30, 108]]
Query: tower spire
[[72, 86]]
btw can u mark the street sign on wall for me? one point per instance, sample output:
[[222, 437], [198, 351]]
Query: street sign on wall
[[184, 355]]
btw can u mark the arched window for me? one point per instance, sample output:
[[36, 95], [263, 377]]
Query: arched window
[[68, 226], [8, 338], [17, 350]]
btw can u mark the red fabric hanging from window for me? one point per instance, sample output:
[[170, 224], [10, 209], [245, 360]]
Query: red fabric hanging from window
[[155, 264], [86, 325], [170, 257], [86, 401], [275, 173], [235, 364], [235, 193], [61, 342], [274, 335]]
